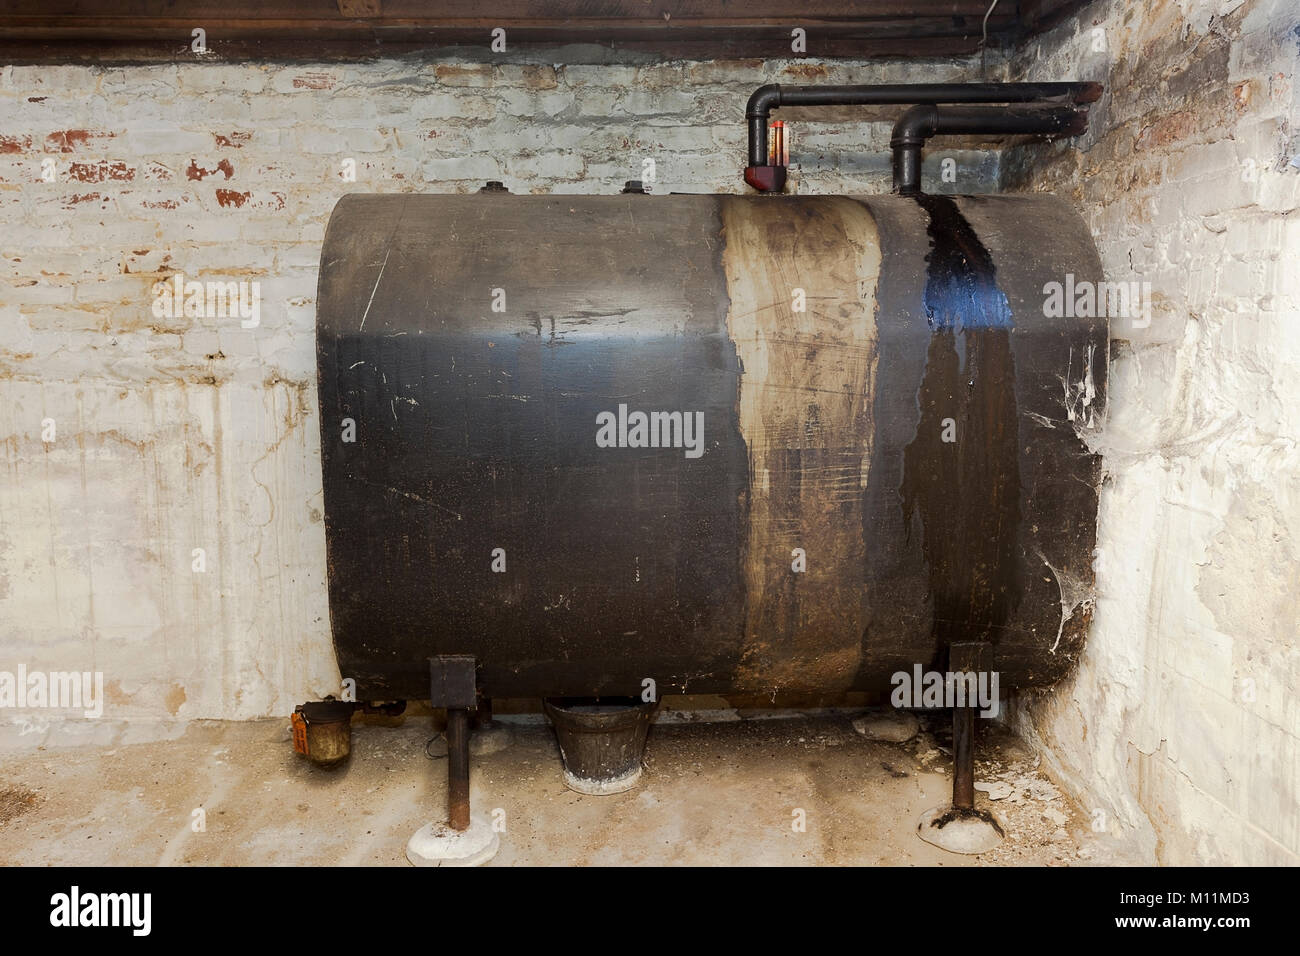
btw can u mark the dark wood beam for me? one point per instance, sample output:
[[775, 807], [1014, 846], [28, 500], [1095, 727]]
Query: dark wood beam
[[1039, 15], [160, 30]]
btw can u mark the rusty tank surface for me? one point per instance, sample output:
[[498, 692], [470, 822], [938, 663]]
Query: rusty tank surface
[[730, 444]]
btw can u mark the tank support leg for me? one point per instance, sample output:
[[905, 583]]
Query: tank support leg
[[960, 827], [465, 839], [963, 757], [458, 768]]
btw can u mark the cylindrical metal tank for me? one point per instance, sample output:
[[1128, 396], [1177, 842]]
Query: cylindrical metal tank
[[861, 439]]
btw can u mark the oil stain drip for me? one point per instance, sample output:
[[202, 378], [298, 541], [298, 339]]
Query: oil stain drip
[[961, 290], [965, 493]]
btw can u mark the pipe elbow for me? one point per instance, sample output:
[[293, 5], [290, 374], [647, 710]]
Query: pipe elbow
[[763, 100], [915, 126]]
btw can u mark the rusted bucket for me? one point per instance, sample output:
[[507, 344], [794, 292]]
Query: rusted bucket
[[322, 731], [602, 740]]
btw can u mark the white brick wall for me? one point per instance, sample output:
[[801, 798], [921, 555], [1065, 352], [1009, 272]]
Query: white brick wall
[[1182, 729]]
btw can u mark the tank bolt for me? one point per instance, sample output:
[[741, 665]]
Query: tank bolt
[[493, 186], [635, 186]]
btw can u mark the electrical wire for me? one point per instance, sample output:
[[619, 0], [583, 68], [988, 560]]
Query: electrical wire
[[984, 41]]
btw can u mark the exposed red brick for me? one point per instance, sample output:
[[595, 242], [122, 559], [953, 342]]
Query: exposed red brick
[[807, 71], [313, 81], [37, 99], [15, 144], [229, 197], [156, 171], [85, 197], [235, 140], [161, 204], [197, 172], [70, 140], [452, 72], [100, 172]]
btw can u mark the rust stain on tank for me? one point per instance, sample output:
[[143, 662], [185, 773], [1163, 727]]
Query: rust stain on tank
[[805, 407]]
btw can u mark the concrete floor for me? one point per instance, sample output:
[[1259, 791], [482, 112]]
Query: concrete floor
[[712, 793]]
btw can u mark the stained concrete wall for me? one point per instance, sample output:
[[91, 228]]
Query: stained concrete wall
[[1181, 729], [179, 433]]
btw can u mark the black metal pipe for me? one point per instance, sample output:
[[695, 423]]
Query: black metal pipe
[[458, 768], [922, 122], [773, 95]]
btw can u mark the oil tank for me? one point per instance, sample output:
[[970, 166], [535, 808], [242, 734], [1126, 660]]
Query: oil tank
[[731, 444]]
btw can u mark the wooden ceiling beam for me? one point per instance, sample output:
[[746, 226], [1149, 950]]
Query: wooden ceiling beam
[[160, 30]]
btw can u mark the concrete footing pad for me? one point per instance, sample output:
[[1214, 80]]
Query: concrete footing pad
[[960, 829], [436, 844]]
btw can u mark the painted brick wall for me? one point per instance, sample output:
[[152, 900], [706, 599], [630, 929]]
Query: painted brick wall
[[1182, 729], [178, 433]]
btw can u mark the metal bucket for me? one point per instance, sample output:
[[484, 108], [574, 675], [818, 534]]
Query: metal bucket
[[602, 740], [322, 731]]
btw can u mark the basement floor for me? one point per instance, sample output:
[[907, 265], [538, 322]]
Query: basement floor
[[712, 793]]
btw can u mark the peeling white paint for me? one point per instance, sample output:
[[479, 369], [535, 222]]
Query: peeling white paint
[[1181, 729]]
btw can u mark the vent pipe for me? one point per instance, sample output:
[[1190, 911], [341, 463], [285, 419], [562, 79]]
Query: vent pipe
[[1045, 109]]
